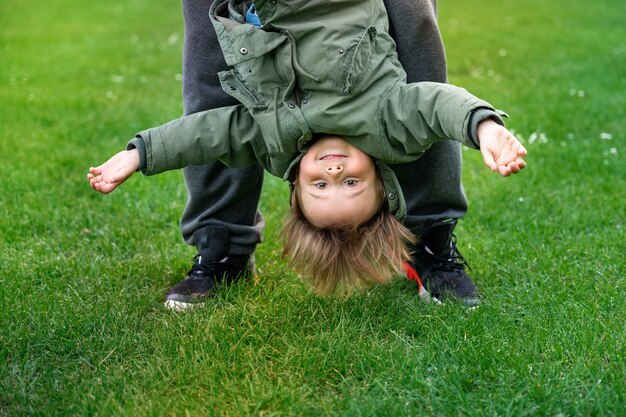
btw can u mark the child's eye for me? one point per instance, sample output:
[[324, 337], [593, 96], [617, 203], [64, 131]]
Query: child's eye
[[351, 183], [321, 185]]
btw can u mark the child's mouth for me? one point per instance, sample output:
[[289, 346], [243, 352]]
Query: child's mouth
[[332, 156]]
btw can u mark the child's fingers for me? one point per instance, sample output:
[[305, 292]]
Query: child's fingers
[[104, 187], [504, 170], [507, 169], [512, 168], [95, 183], [98, 183], [522, 151], [515, 168]]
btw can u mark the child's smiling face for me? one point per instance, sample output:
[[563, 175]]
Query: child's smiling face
[[337, 184]]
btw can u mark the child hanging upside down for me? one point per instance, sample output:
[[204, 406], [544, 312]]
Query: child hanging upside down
[[324, 105]]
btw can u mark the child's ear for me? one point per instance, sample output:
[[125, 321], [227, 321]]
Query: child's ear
[[292, 189]]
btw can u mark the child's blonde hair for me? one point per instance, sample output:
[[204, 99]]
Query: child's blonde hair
[[350, 257]]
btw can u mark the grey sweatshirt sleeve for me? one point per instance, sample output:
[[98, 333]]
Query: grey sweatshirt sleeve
[[138, 143], [480, 114]]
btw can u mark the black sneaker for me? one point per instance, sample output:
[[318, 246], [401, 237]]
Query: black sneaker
[[441, 267], [212, 268]]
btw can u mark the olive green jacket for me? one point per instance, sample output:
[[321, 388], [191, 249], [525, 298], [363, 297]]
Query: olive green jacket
[[315, 66]]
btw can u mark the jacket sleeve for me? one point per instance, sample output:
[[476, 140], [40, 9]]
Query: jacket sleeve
[[420, 114], [226, 134]]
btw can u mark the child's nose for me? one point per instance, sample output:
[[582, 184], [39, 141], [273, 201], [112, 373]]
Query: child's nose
[[334, 170]]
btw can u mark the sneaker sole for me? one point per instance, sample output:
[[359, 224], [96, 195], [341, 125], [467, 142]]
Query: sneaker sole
[[180, 306], [471, 303]]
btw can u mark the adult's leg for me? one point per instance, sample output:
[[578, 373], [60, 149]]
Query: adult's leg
[[432, 185], [221, 217]]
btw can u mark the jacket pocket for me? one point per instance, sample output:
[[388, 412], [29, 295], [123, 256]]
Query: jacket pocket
[[357, 59], [233, 86]]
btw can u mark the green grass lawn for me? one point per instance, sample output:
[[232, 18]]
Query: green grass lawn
[[82, 276]]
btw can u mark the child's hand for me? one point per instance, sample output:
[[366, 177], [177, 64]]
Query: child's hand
[[108, 176], [502, 152]]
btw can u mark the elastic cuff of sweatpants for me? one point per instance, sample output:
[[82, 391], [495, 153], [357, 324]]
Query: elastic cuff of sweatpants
[[236, 246]]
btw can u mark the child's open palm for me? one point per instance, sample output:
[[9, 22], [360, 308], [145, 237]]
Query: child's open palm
[[501, 151], [108, 176]]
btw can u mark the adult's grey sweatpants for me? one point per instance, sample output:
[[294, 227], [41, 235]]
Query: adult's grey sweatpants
[[219, 195]]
